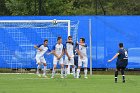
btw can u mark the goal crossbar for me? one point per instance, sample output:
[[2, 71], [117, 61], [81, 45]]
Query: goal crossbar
[[38, 21]]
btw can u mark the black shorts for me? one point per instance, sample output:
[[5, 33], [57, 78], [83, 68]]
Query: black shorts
[[122, 64], [120, 68]]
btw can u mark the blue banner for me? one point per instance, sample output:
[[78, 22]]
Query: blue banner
[[107, 33]]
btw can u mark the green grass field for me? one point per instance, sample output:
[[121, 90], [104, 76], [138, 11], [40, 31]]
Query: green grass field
[[30, 83]]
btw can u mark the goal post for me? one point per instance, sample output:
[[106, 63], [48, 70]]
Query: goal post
[[19, 36]]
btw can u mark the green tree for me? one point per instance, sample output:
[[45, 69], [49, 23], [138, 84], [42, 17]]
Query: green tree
[[69, 7], [3, 9]]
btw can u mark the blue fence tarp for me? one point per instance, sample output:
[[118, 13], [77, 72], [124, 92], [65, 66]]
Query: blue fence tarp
[[107, 32]]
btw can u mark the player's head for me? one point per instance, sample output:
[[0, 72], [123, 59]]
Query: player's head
[[121, 45], [82, 40], [69, 38], [59, 39], [45, 41]]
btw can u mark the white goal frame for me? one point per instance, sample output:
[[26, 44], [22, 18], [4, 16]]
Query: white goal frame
[[41, 21], [38, 21]]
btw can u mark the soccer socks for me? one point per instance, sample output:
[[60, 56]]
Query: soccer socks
[[44, 70], [66, 71], [73, 71], [122, 72], [116, 76], [38, 67], [62, 70], [85, 71], [53, 72], [123, 76], [78, 72]]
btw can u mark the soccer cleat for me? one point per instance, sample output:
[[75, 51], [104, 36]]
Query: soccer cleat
[[44, 76], [65, 76], [85, 77], [123, 81], [62, 77], [77, 77], [74, 76], [52, 76], [39, 75]]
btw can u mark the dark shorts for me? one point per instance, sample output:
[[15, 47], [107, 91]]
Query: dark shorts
[[120, 68], [122, 64], [76, 60]]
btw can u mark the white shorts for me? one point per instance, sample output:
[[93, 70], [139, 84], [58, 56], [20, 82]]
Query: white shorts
[[83, 61], [59, 61], [69, 62], [40, 59]]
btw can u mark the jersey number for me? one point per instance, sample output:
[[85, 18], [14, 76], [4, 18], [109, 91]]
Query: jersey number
[[126, 54]]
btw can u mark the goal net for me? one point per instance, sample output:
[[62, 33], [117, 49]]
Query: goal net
[[19, 36]]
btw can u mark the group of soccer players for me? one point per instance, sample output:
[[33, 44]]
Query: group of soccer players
[[67, 49], [59, 50]]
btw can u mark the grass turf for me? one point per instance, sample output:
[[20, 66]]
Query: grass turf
[[30, 83]]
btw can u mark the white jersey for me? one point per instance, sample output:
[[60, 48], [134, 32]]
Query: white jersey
[[58, 49], [44, 50], [70, 48], [83, 50]]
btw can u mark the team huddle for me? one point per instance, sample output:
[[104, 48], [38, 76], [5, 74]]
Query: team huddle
[[59, 50]]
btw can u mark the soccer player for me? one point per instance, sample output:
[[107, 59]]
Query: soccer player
[[41, 50], [58, 51], [122, 61], [69, 57], [82, 56]]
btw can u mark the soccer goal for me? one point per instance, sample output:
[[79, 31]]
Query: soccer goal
[[19, 36]]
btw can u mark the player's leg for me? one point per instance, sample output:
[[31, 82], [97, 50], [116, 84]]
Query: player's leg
[[85, 67], [124, 65], [73, 66], [62, 67], [116, 74], [38, 65], [44, 64], [123, 75], [38, 68], [66, 66], [44, 70], [66, 70], [54, 67], [53, 70], [79, 67]]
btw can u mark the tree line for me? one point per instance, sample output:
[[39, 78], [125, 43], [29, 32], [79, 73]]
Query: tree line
[[69, 7]]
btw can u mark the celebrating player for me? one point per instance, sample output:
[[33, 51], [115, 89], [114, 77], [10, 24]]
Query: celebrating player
[[69, 57], [41, 50], [122, 61], [58, 51], [82, 56]]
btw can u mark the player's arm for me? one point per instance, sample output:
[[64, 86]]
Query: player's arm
[[70, 42], [53, 52], [37, 47], [49, 51], [65, 50], [82, 44], [79, 53], [61, 54], [113, 57], [67, 54]]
